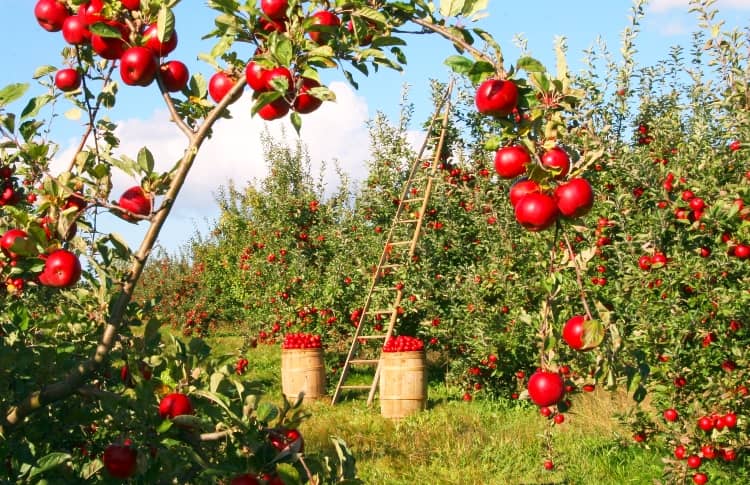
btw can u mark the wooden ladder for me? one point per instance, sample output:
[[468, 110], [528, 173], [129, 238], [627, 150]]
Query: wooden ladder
[[383, 297]]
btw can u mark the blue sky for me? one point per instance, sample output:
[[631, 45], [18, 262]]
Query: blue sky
[[335, 132]]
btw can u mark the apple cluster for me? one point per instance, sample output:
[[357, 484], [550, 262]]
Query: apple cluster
[[403, 343], [10, 192], [301, 341], [115, 32], [648, 262], [62, 269], [537, 204]]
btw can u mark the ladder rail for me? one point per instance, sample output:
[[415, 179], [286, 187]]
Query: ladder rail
[[442, 120]]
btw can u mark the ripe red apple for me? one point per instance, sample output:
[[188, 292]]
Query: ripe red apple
[[131, 4], [573, 332], [138, 66], [304, 102], [111, 48], [67, 80], [706, 424], [246, 479], [277, 75], [75, 31], [742, 251], [16, 237], [511, 161], [546, 388], [174, 76], [700, 478], [136, 201], [51, 14], [694, 461], [326, 19], [679, 452], [90, 12], [275, 9], [274, 110], [496, 97], [62, 269], [574, 198], [557, 160], [219, 85], [175, 404], [120, 461], [521, 188], [536, 211], [671, 415], [151, 41], [255, 75]]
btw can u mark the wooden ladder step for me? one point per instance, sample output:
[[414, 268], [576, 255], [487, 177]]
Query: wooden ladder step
[[391, 266], [364, 361], [399, 243], [358, 388], [407, 221], [372, 337], [383, 311], [416, 199]]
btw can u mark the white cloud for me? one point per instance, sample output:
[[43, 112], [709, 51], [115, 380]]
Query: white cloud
[[336, 131], [666, 5]]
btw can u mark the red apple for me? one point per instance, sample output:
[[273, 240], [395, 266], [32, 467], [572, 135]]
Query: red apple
[[573, 332], [175, 404], [136, 201], [131, 4], [326, 20], [219, 85], [246, 479], [274, 9], [138, 66], [557, 160], [511, 161], [51, 14], [20, 239], [62, 269], [742, 251], [75, 31], [536, 211], [120, 461], [574, 198], [305, 102], [67, 80], [174, 76], [496, 97], [521, 188], [91, 12], [546, 388], [111, 48], [255, 75], [151, 41], [274, 110], [277, 75]]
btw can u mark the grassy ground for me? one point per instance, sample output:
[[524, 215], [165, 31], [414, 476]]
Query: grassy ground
[[479, 442]]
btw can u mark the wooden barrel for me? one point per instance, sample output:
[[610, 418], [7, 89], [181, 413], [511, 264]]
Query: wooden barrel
[[303, 370], [403, 384]]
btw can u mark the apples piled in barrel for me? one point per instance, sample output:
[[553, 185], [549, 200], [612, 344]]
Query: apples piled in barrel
[[403, 343], [544, 191], [301, 341]]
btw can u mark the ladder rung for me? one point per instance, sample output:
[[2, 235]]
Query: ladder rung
[[400, 243], [390, 266], [364, 361], [371, 337], [380, 312], [416, 199], [359, 388], [407, 221]]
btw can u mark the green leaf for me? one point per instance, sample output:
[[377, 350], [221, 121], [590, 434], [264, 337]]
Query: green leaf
[[215, 381], [386, 41], [593, 334], [370, 14], [35, 105], [9, 122], [49, 462], [451, 8], [145, 160], [266, 412], [472, 7], [165, 23], [459, 64], [104, 30], [42, 71], [264, 99], [283, 51], [288, 473], [296, 120], [12, 92], [73, 114], [529, 64]]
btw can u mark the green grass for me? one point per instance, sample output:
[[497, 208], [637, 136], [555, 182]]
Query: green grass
[[479, 442]]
